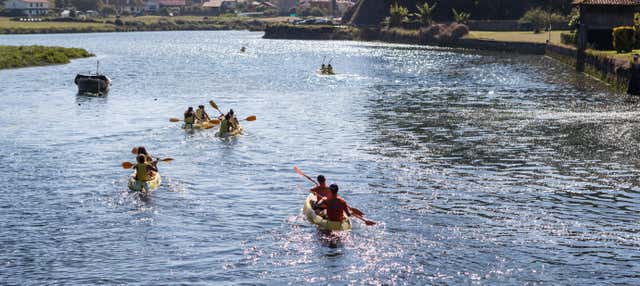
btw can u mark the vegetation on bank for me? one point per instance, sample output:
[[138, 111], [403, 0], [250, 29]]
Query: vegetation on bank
[[126, 24], [26, 56]]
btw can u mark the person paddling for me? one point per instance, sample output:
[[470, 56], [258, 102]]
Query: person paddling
[[189, 118], [336, 206], [225, 124], [323, 69], [233, 120], [202, 115], [144, 171], [329, 69], [321, 190], [147, 156]]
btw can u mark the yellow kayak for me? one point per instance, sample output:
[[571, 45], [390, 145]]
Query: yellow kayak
[[138, 186], [321, 222], [326, 72], [203, 125]]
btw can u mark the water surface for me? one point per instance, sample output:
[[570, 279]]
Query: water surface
[[482, 168]]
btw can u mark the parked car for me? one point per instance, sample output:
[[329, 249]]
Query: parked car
[[313, 21]]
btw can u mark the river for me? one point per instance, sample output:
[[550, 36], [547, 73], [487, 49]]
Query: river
[[481, 168]]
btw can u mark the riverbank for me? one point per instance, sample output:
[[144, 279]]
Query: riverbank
[[28, 56], [133, 24]]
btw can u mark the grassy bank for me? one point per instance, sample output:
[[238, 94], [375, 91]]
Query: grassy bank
[[522, 37], [144, 23], [27, 56]]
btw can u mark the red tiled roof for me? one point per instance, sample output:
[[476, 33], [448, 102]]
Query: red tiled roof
[[607, 2], [172, 2], [212, 4]]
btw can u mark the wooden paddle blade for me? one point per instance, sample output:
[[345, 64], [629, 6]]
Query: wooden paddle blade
[[214, 121], [173, 119], [127, 165], [369, 222], [134, 150], [251, 118], [298, 171], [214, 105], [356, 211], [166, 160]]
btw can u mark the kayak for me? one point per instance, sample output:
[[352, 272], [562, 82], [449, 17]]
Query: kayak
[[203, 125], [235, 132], [138, 186], [326, 73], [321, 222]]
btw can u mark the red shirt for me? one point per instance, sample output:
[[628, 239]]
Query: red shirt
[[336, 208], [321, 191]]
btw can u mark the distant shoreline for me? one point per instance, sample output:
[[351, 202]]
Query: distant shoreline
[[135, 24], [31, 56]]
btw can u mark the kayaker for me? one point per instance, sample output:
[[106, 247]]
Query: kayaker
[[329, 69], [147, 156], [189, 118], [323, 69], [321, 190], [201, 114], [336, 206], [233, 120], [225, 124], [144, 170], [243, 49]]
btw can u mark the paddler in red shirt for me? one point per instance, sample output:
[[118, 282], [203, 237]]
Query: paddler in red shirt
[[336, 206], [321, 190]]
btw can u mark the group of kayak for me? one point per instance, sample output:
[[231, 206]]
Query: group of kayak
[[199, 119]]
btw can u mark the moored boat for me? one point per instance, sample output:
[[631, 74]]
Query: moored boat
[[321, 222], [138, 186], [93, 83]]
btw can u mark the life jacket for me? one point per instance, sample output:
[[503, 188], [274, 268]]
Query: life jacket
[[142, 172], [200, 114], [224, 126], [189, 118]]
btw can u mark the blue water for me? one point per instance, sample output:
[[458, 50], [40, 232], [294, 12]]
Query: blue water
[[481, 168]]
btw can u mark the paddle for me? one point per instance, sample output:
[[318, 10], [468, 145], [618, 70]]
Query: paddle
[[250, 118], [215, 106], [129, 165], [354, 211]]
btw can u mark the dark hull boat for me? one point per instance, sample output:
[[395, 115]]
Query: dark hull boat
[[95, 84]]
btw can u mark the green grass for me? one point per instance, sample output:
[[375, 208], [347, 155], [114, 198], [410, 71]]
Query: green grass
[[26, 56], [143, 23]]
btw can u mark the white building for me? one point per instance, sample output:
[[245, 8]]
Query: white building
[[28, 7]]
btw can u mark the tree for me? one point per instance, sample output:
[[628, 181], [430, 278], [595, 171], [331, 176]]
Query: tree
[[398, 15], [540, 19], [425, 12], [462, 17], [84, 5]]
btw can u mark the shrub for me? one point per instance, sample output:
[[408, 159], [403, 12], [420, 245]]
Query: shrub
[[624, 38], [458, 31], [540, 19], [569, 39], [399, 14], [462, 17], [431, 33], [118, 22], [108, 10], [424, 13], [574, 19]]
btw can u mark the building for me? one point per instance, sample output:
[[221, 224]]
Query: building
[[599, 17], [156, 5], [126, 6], [27, 7], [217, 7]]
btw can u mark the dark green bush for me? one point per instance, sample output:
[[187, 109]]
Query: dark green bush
[[624, 38], [569, 39]]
